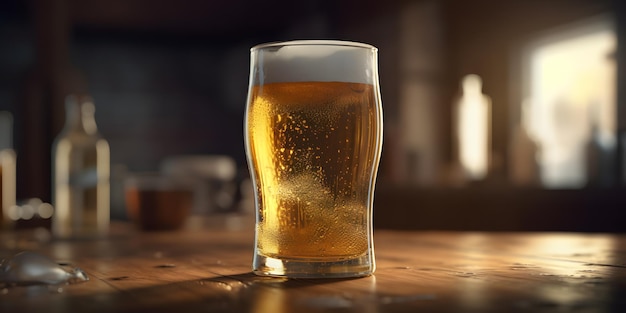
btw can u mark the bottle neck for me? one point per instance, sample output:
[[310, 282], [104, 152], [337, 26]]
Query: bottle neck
[[80, 112]]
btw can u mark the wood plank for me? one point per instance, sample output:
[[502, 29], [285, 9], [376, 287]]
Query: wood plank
[[416, 271]]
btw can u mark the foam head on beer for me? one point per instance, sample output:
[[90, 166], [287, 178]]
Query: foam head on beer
[[291, 62]]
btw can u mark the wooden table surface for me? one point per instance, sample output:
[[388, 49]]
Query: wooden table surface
[[208, 270]]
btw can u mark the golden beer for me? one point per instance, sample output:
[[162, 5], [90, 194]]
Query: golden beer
[[313, 145], [313, 136]]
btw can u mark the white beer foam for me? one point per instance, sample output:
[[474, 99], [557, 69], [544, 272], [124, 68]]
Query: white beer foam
[[315, 60]]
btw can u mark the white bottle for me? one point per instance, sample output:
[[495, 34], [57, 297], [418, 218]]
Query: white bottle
[[81, 174], [473, 129]]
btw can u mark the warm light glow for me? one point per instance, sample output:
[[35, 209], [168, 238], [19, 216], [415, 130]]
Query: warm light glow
[[591, 248], [45, 210], [571, 86], [473, 129]]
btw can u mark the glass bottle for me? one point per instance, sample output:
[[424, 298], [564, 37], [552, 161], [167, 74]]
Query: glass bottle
[[81, 179], [473, 129], [7, 169]]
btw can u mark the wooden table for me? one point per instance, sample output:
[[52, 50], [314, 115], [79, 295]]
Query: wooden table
[[208, 270]]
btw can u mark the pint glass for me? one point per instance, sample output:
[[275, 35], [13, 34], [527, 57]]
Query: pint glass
[[313, 136]]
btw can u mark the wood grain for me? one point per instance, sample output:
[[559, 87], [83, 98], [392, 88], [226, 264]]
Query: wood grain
[[209, 271]]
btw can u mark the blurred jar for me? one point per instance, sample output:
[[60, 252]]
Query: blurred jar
[[213, 178], [157, 202], [81, 170]]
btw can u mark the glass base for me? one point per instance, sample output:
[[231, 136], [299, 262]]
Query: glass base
[[301, 268]]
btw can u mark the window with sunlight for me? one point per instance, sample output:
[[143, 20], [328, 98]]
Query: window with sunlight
[[570, 104]]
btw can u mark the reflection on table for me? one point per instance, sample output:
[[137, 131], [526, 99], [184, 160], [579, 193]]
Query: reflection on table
[[207, 268]]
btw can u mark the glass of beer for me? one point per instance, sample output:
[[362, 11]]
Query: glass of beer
[[313, 136]]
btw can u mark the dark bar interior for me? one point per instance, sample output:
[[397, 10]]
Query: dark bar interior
[[169, 78]]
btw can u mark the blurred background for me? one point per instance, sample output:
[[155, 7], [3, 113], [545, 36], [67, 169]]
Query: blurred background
[[499, 115]]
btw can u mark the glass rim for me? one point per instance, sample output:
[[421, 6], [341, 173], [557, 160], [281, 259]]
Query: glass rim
[[330, 43]]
